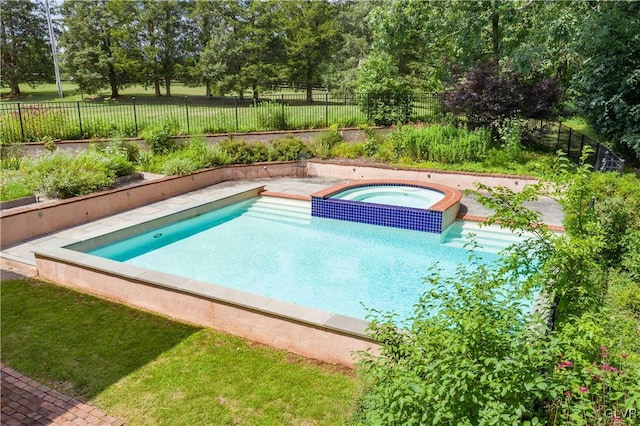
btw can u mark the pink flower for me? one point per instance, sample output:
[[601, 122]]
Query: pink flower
[[607, 367], [596, 378], [604, 351], [583, 389], [617, 420], [568, 394], [623, 356], [564, 364]]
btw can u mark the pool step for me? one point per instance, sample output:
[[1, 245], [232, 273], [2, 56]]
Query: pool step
[[281, 210], [489, 238]]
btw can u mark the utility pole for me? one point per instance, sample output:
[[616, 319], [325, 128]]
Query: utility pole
[[54, 51]]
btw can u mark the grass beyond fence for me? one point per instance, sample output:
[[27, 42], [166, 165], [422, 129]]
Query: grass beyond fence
[[21, 121]]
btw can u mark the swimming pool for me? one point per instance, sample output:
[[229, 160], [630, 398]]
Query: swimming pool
[[276, 249]]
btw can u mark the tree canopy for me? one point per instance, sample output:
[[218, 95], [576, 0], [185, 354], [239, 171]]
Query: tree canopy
[[590, 49]]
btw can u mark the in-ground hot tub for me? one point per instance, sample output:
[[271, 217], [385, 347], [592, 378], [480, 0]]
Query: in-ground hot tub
[[400, 204]]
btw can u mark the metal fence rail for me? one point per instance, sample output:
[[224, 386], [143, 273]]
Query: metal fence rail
[[572, 142], [27, 122], [23, 122]]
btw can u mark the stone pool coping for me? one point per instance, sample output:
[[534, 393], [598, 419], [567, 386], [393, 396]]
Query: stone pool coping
[[306, 331]]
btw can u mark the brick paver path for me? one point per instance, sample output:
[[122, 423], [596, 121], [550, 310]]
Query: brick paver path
[[27, 402]]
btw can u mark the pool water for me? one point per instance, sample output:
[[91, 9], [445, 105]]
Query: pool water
[[332, 265], [404, 196]]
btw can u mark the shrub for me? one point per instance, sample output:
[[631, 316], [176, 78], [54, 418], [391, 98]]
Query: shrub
[[466, 356], [61, 175], [242, 152], [13, 185], [287, 149], [464, 146], [348, 150], [324, 143], [158, 137], [179, 166], [11, 157], [444, 144], [488, 95], [386, 97]]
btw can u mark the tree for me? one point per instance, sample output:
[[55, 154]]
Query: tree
[[487, 95], [311, 37], [219, 58], [607, 84], [166, 36], [261, 46], [400, 29], [384, 95], [355, 46], [98, 44], [25, 51]]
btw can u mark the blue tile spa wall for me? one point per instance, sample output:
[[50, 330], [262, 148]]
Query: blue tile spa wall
[[377, 214]]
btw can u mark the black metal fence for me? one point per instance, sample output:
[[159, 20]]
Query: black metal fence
[[573, 142], [23, 122]]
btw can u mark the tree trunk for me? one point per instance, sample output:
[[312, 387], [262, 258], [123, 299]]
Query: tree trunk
[[309, 93], [207, 88], [256, 95], [156, 85], [167, 84], [495, 33], [113, 82], [15, 88]]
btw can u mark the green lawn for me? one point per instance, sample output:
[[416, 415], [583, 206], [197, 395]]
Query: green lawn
[[49, 92], [149, 370]]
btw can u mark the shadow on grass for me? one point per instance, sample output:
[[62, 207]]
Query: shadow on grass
[[76, 343]]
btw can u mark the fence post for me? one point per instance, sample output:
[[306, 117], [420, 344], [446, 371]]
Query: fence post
[[235, 102], [569, 142], [326, 109], [283, 124], [368, 108], [559, 131], [186, 110], [135, 114], [79, 119], [21, 124], [596, 165]]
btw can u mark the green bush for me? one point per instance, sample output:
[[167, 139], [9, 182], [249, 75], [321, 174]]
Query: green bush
[[324, 143], [443, 144], [348, 150], [158, 137], [13, 185], [179, 166], [467, 356], [287, 148], [242, 152], [387, 97], [10, 157], [463, 147], [61, 175]]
